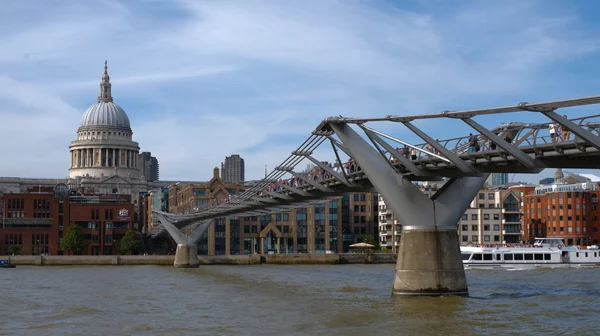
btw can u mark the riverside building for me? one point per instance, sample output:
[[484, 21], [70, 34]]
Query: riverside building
[[566, 210], [33, 222], [328, 227], [494, 217]]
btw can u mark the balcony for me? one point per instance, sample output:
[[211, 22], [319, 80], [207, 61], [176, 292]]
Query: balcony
[[26, 222], [512, 232], [511, 208]]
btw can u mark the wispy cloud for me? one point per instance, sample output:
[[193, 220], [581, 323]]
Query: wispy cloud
[[202, 80]]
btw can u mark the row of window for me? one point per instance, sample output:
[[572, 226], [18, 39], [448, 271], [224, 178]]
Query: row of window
[[475, 239], [569, 229], [476, 217], [486, 227], [482, 196], [41, 204], [510, 256], [17, 203]]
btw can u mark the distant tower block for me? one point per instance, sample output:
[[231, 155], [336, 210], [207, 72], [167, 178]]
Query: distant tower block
[[558, 174]]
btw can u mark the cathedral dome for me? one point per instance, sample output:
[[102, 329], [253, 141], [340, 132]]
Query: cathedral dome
[[105, 114]]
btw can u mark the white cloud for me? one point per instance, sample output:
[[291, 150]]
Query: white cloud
[[202, 80]]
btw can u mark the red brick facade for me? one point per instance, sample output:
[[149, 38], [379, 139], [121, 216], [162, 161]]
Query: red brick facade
[[572, 215], [35, 221]]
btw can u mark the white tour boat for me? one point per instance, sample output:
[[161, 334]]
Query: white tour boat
[[545, 253]]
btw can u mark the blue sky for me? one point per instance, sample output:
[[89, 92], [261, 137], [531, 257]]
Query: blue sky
[[204, 79]]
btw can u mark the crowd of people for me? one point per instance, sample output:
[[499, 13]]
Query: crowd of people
[[474, 143]]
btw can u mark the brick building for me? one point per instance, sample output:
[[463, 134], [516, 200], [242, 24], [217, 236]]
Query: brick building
[[34, 222], [568, 211], [330, 226]]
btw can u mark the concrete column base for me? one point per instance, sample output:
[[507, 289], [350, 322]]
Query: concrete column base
[[186, 256], [429, 264]]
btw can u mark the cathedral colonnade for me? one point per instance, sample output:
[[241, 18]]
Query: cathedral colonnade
[[90, 157]]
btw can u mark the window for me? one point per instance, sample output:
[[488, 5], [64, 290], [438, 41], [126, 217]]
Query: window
[[474, 217], [474, 239], [481, 196], [496, 238], [486, 217], [496, 216], [465, 217], [496, 227], [539, 256], [491, 196], [465, 238], [465, 228], [474, 227], [486, 227], [486, 239]]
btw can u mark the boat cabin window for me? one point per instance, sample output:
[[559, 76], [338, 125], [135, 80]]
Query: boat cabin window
[[518, 256], [586, 254], [547, 256], [466, 256], [577, 254], [477, 256], [498, 256], [487, 256], [508, 256], [538, 256], [528, 256]]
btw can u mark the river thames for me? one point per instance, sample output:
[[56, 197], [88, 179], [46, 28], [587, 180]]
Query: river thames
[[289, 300]]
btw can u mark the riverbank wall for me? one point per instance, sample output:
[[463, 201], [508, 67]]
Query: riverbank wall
[[168, 260]]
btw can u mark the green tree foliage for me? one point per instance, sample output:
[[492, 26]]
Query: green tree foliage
[[14, 249], [131, 241], [369, 239], [73, 240]]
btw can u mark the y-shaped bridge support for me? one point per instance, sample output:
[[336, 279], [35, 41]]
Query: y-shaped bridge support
[[429, 260], [186, 255]]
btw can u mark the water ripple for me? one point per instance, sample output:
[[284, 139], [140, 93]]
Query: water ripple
[[289, 300]]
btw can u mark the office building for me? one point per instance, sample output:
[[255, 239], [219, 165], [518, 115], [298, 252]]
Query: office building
[[148, 165], [233, 169]]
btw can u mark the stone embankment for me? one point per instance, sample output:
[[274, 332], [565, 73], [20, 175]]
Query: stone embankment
[[167, 260]]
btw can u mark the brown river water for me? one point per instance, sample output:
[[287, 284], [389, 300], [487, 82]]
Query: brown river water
[[289, 300]]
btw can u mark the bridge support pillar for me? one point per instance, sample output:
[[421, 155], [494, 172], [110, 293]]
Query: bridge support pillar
[[429, 264], [429, 261], [186, 254]]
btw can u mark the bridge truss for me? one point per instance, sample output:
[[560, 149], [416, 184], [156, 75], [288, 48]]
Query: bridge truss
[[363, 158]]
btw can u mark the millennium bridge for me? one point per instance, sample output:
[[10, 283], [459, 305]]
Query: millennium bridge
[[363, 158]]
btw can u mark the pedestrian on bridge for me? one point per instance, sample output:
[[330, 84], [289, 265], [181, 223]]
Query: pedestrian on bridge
[[552, 130], [565, 131]]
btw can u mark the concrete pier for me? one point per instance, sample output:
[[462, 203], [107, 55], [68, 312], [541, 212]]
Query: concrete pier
[[186, 256], [429, 263]]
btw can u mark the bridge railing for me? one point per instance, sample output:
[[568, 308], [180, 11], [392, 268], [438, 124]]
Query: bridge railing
[[286, 183], [526, 135]]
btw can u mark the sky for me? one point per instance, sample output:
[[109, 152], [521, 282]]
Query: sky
[[201, 80]]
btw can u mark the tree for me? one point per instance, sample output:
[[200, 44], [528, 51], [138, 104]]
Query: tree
[[73, 240], [369, 239], [131, 241], [14, 250]]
